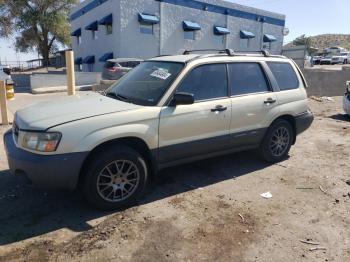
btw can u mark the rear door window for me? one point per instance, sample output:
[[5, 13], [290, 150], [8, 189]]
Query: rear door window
[[206, 82], [285, 75], [247, 78]]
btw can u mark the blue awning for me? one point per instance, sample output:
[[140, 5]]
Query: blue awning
[[93, 26], [108, 20], [148, 19], [106, 56], [246, 34], [191, 26], [89, 60], [76, 32], [78, 61], [219, 30], [269, 38]]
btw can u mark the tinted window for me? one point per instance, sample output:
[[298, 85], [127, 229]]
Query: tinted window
[[189, 35], [130, 64], [247, 78], [206, 82], [146, 84], [146, 29], [285, 75], [109, 64]]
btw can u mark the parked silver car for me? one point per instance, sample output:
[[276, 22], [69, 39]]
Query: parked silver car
[[168, 111], [114, 69]]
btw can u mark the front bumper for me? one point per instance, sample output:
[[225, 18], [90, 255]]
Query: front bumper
[[47, 171], [303, 122], [346, 104]]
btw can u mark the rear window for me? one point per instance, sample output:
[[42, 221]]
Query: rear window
[[130, 64], [110, 64], [7, 71], [285, 75]]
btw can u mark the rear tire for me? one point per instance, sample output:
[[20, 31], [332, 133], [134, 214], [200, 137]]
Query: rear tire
[[277, 141], [115, 178]]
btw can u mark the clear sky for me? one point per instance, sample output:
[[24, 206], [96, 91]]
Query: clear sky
[[310, 17]]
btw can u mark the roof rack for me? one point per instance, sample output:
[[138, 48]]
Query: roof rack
[[229, 52]]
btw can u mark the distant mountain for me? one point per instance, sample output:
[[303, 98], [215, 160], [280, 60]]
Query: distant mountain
[[324, 41]]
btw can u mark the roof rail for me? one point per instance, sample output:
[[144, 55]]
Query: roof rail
[[228, 52]]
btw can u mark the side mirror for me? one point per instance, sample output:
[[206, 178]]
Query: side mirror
[[182, 98]]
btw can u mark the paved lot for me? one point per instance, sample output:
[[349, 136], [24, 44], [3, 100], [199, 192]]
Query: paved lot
[[206, 211]]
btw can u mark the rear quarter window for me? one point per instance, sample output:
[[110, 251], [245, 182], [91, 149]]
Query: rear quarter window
[[285, 75]]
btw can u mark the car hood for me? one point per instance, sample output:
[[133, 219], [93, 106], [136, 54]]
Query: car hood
[[44, 115]]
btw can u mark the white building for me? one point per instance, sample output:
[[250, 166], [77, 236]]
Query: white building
[[104, 29]]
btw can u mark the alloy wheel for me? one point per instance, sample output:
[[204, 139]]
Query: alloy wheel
[[279, 141], [118, 180]]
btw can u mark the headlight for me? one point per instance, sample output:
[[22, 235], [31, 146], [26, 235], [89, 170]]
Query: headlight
[[42, 142]]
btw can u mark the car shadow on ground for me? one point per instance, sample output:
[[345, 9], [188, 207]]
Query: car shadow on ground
[[341, 117], [27, 212]]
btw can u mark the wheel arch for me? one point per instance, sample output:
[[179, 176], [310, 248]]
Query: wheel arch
[[135, 143], [291, 120]]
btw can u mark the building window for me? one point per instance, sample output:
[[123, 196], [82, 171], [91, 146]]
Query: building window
[[109, 29], [79, 67], [220, 39], [190, 35], [90, 67], [146, 28], [267, 46], [94, 34], [79, 40]]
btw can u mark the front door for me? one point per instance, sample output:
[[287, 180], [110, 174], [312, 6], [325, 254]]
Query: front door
[[189, 131]]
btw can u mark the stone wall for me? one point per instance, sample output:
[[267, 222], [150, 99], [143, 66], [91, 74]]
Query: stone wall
[[326, 82]]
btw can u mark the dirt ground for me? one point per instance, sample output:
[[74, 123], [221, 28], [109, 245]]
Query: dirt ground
[[206, 211]]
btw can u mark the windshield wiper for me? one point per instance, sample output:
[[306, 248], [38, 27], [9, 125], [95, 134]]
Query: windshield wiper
[[117, 96]]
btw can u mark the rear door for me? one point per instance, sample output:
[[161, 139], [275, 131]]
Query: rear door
[[190, 131], [292, 94], [254, 103]]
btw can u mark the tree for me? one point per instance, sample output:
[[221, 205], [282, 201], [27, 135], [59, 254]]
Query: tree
[[5, 21], [40, 25], [305, 41]]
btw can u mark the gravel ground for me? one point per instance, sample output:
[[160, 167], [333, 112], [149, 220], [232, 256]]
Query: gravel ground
[[206, 211]]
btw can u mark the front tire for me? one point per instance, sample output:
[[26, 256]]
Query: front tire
[[115, 178], [277, 141]]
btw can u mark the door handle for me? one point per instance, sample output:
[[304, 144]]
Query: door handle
[[270, 101], [219, 108]]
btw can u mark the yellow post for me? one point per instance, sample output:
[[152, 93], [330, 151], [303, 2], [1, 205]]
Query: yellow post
[[70, 73], [3, 104]]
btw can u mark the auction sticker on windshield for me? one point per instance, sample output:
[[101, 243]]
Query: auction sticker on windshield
[[161, 74]]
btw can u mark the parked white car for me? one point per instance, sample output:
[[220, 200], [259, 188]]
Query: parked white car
[[327, 60], [167, 111], [342, 58], [346, 100]]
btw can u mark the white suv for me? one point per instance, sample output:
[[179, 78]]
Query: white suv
[[169, 110], [342, 58]]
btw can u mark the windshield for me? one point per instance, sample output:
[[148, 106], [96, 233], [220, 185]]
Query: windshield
[[343, 54], [146, 84]]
